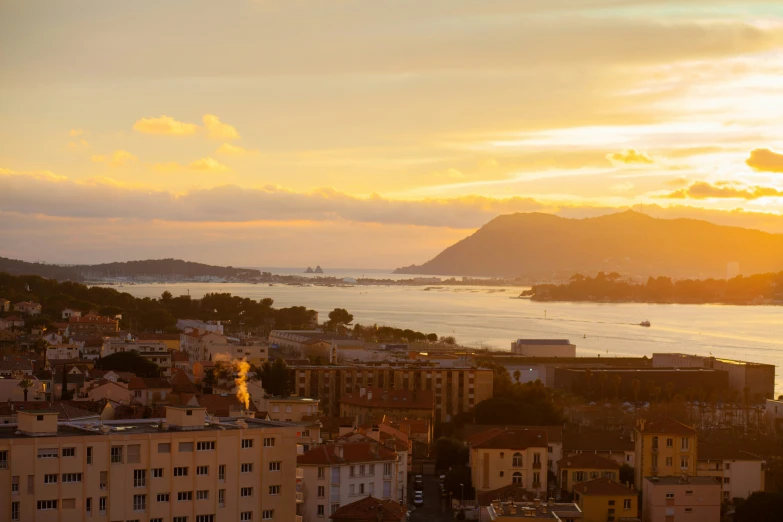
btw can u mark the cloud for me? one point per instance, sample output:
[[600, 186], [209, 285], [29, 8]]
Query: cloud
[[75, 132], [234, 150], [765, 160], [164, 125], [79, 144], [217, 130], [117, 158], [630, 156], [678, 182], [723, 190], [207, 164]]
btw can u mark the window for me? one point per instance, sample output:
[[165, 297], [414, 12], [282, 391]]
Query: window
[[516, 460], [104, 479], [335, 507], [88, 505], [221, 498], [47, 453], [502, 454], [321, 491], [180, 472], [139, 478], [116, 454], [157, 472], [501, 473], [205, 518], [669, 443], [728, 465], [164, 447], [321, 510], [725, 495], [536, 477], [71, 477], [268, 514], [269, 442], [352, 471], [202, 470], [371, 470], [134, 453], [627, 503], [387, 489], [684, 444], [186, 447], [179, 519], [275, 490], [247, 443], [516, 478], [50, 479], [669, 495], [579, 476], [683, 462], [44, 505], [202, 494], [15, 485], [321, 473], [246, 515], [372, 488], [726, 480], [668, 461], [275, 466], [156, 520], [89, 455], [246, 468], [689, 492], [205, 446], [163, 497], [139, 502], [387, 470], [246, 492], [222, 472], [69, 452], [15, 511], [536, 459], [102, 505], [689, 510], [184, 496], [351, 490]]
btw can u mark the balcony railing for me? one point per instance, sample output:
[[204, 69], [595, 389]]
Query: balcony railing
[[299, 497]]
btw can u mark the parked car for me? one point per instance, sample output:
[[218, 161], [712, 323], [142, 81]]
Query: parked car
[[418, 499]]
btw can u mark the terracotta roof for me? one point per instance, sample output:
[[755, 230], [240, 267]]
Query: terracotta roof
[[512, 492], [554, 434], [147, 383], [366, 510], [387, 399], [596, 440], [603, 487], [6, 335], [65, 410], [91, 318], [181, 383], [16, 363], [587, 461], [351, 452], [497, 438], [664, 426], [221, 405], [14, 318], [707, 451]]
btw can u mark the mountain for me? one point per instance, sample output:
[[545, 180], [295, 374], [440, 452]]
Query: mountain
[[536, 245], [160, 268]]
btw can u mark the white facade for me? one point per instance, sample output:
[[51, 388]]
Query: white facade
[[543, 348], [63, 351], [189, 325], [68, 313]]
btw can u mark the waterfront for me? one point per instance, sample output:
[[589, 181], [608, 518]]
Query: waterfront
[[486, 316]]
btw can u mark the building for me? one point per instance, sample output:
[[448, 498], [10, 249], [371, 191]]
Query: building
[[543, 348], [93, 324], [371, 509], [200, 344], [603, 499], [774, 415], [10, 391], [585, 467], [69, 312], [664, 447], [457, 390], [180, 467], [171, 340], [758, 378], [740, 473], [615, 445], [537, 510], [335, 475], [289, 409], [377, 403], [5, 305], [499, 457], [672, 499], [15, 367], [310, 342], [189, 325], [10, 322], [115, 392], [63, 351], [554, 435], [153, 351], [149, 391], [28, 307]]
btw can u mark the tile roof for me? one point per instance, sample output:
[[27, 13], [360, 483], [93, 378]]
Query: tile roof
[[587, 461], [603, 487], [596, 440], [16, 363], [157, 337], [499, 438], [711, 451], [351, 452], [65, 410], [14, 318], [91, 319], [147, 383], [665, 426], [366, 510], [181, 383], [509, 493], [389, 399], [554, 434], [221, 405], [671, 480]]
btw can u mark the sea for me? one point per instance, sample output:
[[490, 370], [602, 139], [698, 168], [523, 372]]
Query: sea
[[492, 317]]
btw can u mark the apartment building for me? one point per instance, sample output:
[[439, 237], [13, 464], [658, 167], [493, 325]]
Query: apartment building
[[603, 499], [683, 498], [585, 467], [378, 403], [740, 473], [92, 324], [664, 447], [185, 467], [289, 409], [499, 457], [28, 307], [456, 390], [336, 475], [154, 351]]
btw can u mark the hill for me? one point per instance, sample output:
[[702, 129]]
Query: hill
[[535, 245], [16, 267]]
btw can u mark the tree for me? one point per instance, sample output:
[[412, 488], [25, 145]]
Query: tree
[[450, 452], [339, 317], [166, 296], [209, 380], [517, 375], [449, 339], [25, 384], [433, 337], [128, 362], [275, 378], [760, 507], [626, 474]]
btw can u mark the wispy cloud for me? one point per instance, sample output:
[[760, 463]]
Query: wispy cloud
[[217, 130], [118, 158], [765, 160], [630, 157], [165, 125], [723, 190]]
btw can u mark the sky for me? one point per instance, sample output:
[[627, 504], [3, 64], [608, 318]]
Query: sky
[[373, 134]]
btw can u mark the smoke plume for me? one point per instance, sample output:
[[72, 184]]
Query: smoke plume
[[241, 382]]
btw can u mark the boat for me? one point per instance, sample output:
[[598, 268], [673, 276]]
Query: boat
[[646, 324]]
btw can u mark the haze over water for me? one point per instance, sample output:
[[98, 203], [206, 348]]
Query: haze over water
[[487, 317]]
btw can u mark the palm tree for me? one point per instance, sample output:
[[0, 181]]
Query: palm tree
[[25, 384]]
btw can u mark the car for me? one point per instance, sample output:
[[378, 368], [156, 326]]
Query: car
[[418, 499]]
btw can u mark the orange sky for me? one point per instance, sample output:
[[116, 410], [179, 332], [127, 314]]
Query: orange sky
[[373, 134]]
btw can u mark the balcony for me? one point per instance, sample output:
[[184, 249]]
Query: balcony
[[536, 485], [654, 449], [299, 497], [299, 473], [537, 465]]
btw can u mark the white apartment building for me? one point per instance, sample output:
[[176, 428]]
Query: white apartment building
[[335, 475]]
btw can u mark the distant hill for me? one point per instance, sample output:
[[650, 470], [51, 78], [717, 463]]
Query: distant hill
[[539, 245], [161, 268]]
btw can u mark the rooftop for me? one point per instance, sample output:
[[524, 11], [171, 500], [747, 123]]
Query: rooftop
[[664, 426], [351, 452], [709, 451], [597, 440], [383, 398], [544, 341], [678, 480], [602, 487], [366, 510], [535, 510], [498, 438], [587, 461], [553, 433]]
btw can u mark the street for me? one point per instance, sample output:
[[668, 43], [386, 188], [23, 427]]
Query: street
[[435, 507]]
